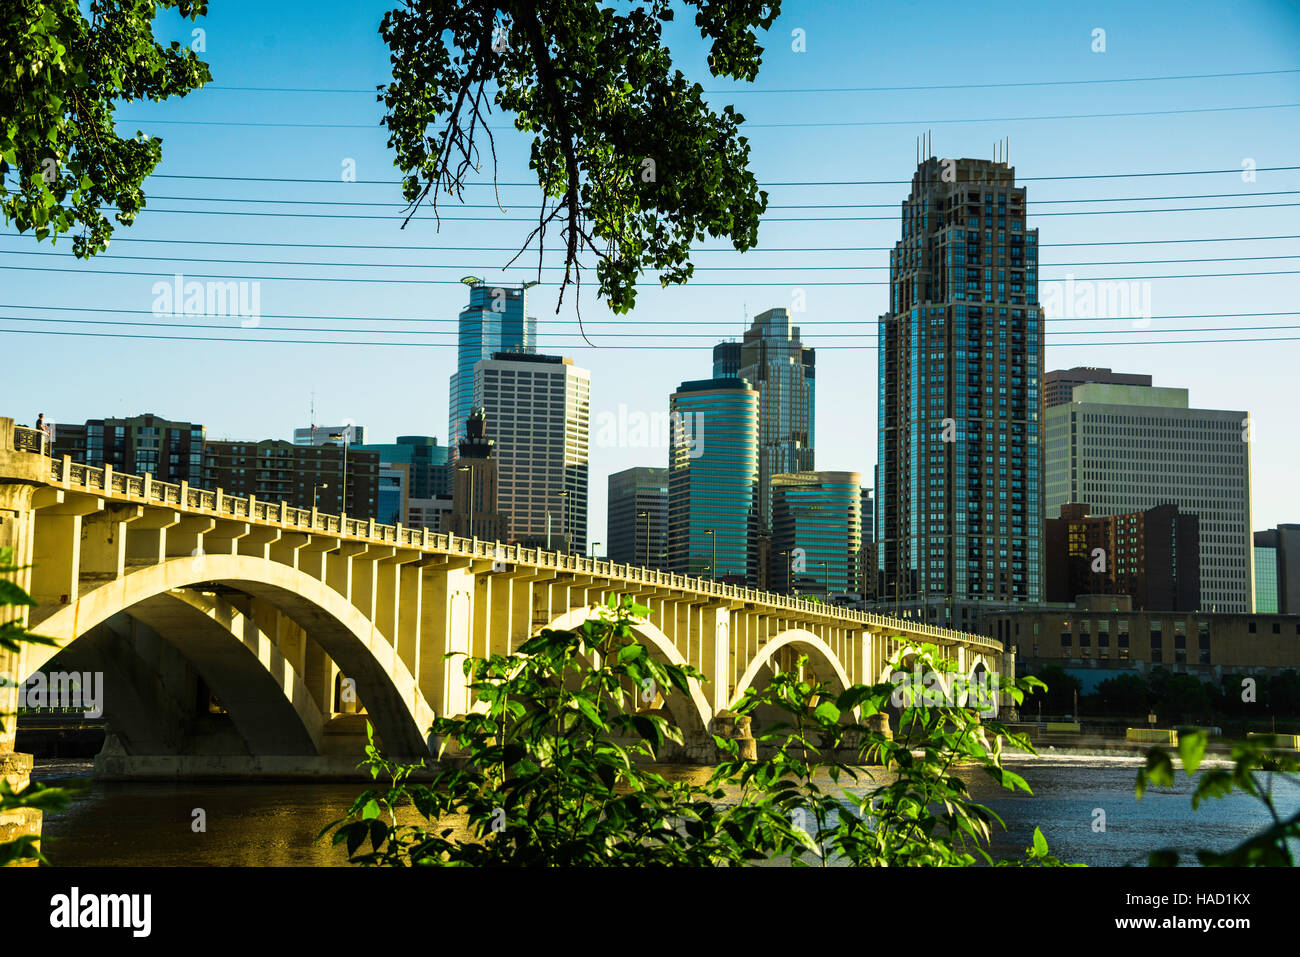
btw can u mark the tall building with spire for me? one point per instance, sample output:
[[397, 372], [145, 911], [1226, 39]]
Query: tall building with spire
[[496, 320], [776, 363], [959, 496]]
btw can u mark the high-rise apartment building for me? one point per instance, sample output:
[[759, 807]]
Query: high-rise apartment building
[[1277, 570], [539, 412], [495, 320], [1126, 448], [1152, 556], [1058, 385], [816, 533], [637, 523], [274, 470], [713, 480], [140, 444], [959, 503], [776, 363]]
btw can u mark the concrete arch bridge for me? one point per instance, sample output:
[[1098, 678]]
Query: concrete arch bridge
[[237, 637]]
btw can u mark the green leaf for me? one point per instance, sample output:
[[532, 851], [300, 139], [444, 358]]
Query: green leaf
[[1191, 750], [1040, 843]]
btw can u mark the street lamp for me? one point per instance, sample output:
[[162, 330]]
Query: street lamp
[[564, 518], [315, 491], [646, 516], [713, 569], [593, 549], [827, 572]]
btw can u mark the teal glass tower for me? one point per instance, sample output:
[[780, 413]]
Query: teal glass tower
[[713, 480], [816, 533], [496, 320]]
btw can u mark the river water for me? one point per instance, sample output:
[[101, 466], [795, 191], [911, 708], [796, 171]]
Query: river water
[[276, 824]]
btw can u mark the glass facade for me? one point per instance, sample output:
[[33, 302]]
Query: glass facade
[[1265, 580], [496, 320], [816, 532], [713, 479], [781, 368], [638, 517], [959, 503]]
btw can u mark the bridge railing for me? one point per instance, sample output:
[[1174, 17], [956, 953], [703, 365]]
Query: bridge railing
[[66, 472]]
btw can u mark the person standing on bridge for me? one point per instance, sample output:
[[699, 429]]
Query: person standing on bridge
[[44, 428]]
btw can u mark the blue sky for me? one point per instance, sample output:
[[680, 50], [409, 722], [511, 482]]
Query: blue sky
[[251, 388]]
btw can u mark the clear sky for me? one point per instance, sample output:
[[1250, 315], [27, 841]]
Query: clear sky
[[290, 148]]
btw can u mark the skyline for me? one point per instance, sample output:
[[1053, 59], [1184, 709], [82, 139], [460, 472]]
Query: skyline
[[403, 390]]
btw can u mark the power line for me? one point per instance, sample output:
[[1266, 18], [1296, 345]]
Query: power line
[[600, 335], [862, 182], [720, 249], [827, 89], [565, 346], [645, 285], [623, 323], [770, 219], [752, 126], [768, 268], [894, 205]]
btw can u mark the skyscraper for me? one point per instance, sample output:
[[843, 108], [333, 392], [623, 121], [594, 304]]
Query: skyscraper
[[638, 517], [1126, 448], [781, 368], [959, 501], [726, 359], [496, 320], [539, 412], [816, 533], [713, 479]]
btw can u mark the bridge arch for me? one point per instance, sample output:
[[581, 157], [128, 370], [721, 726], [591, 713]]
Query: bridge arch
[[825, 662], [693, 715], [394, 703]]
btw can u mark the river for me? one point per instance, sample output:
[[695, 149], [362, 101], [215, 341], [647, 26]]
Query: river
[[118, 824]]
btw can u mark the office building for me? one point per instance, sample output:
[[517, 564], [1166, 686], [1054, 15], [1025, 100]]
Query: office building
[[1127, 448], [425, 462], [495, 320], [539, 413], [776, 363], [713, 480], [1277, 570], [726, 359], [431, 513], [1058, 385], [475, 500], [138, 445], [637, 521], [333, 478], [1152, 556], [394, 493], [1103, 636], [330, 435], [959, 501], [816, 533]]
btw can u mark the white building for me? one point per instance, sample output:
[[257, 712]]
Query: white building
[[1126, 448], [538, 411]]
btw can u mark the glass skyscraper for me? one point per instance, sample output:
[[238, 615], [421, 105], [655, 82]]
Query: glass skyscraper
[[959, 497], [713, 479], [781, 368], [816, 532], [496, 320]]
